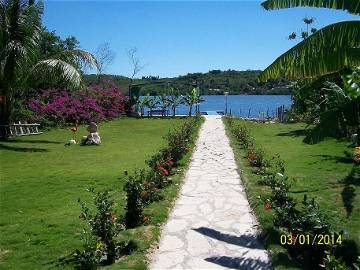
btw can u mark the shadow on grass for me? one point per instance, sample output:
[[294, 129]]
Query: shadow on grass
[[348, 251], [338, 159], [31, 141], [348, 193], [22, 149], [83, 261], [294, 133], [239, 262], [330, 186]]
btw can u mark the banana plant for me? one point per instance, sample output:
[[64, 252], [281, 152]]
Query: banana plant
[[335, 95], [164, 103], [142, 103], [152, 103], [191, 99], [175, 100], [332, 49]]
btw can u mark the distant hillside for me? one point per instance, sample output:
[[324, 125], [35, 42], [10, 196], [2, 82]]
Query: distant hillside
[[214, 82]]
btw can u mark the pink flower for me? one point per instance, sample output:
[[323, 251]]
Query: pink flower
[[95, 103]]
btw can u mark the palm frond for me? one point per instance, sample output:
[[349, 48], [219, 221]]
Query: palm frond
[[335, 89], [54, 68], [351, 6], [80, 57], [20, 25], [329, 50]]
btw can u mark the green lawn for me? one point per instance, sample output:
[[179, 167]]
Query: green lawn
[[41, 180], [322, 171]]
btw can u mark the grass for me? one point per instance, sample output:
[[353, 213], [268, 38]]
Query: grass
[[41, 180], [323, 171]]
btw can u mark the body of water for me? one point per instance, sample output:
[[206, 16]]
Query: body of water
[[241, 105]]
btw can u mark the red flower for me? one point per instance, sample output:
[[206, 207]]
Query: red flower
[[169, 162], [267, 206], [163, 170]]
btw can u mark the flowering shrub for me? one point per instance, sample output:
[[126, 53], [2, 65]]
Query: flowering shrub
[[95, 103], [277, 164], [256, 158], [179, 139], [177, 144], [294, 220], [100, 244], [241, 134], [161, 161], [151, 188], [161, 164], [87, 257], [308, 221], [135, 196]]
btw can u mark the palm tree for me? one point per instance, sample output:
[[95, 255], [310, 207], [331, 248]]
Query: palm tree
[[152, 103], [21, 62], [165, 103], [175, 100], [190, 99], [142, 103], [332, 49]]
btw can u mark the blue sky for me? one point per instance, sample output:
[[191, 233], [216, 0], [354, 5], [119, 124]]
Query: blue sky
[[178, 37]]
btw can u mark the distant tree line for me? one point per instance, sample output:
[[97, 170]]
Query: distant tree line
[[214, 82]]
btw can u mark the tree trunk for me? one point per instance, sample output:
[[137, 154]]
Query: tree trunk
[[174, 111], [190, 110], [5, 111], [7, 90], [5, 108]]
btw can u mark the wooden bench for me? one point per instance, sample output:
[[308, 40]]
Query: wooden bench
[[19, 129], [159, 112]]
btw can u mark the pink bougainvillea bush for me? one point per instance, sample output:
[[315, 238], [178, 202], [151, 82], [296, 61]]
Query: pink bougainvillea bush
[[94, 103]]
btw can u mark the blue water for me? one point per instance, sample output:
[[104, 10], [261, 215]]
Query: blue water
[[241, 105]]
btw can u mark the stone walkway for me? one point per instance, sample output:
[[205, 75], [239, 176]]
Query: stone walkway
[[211, 225]]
